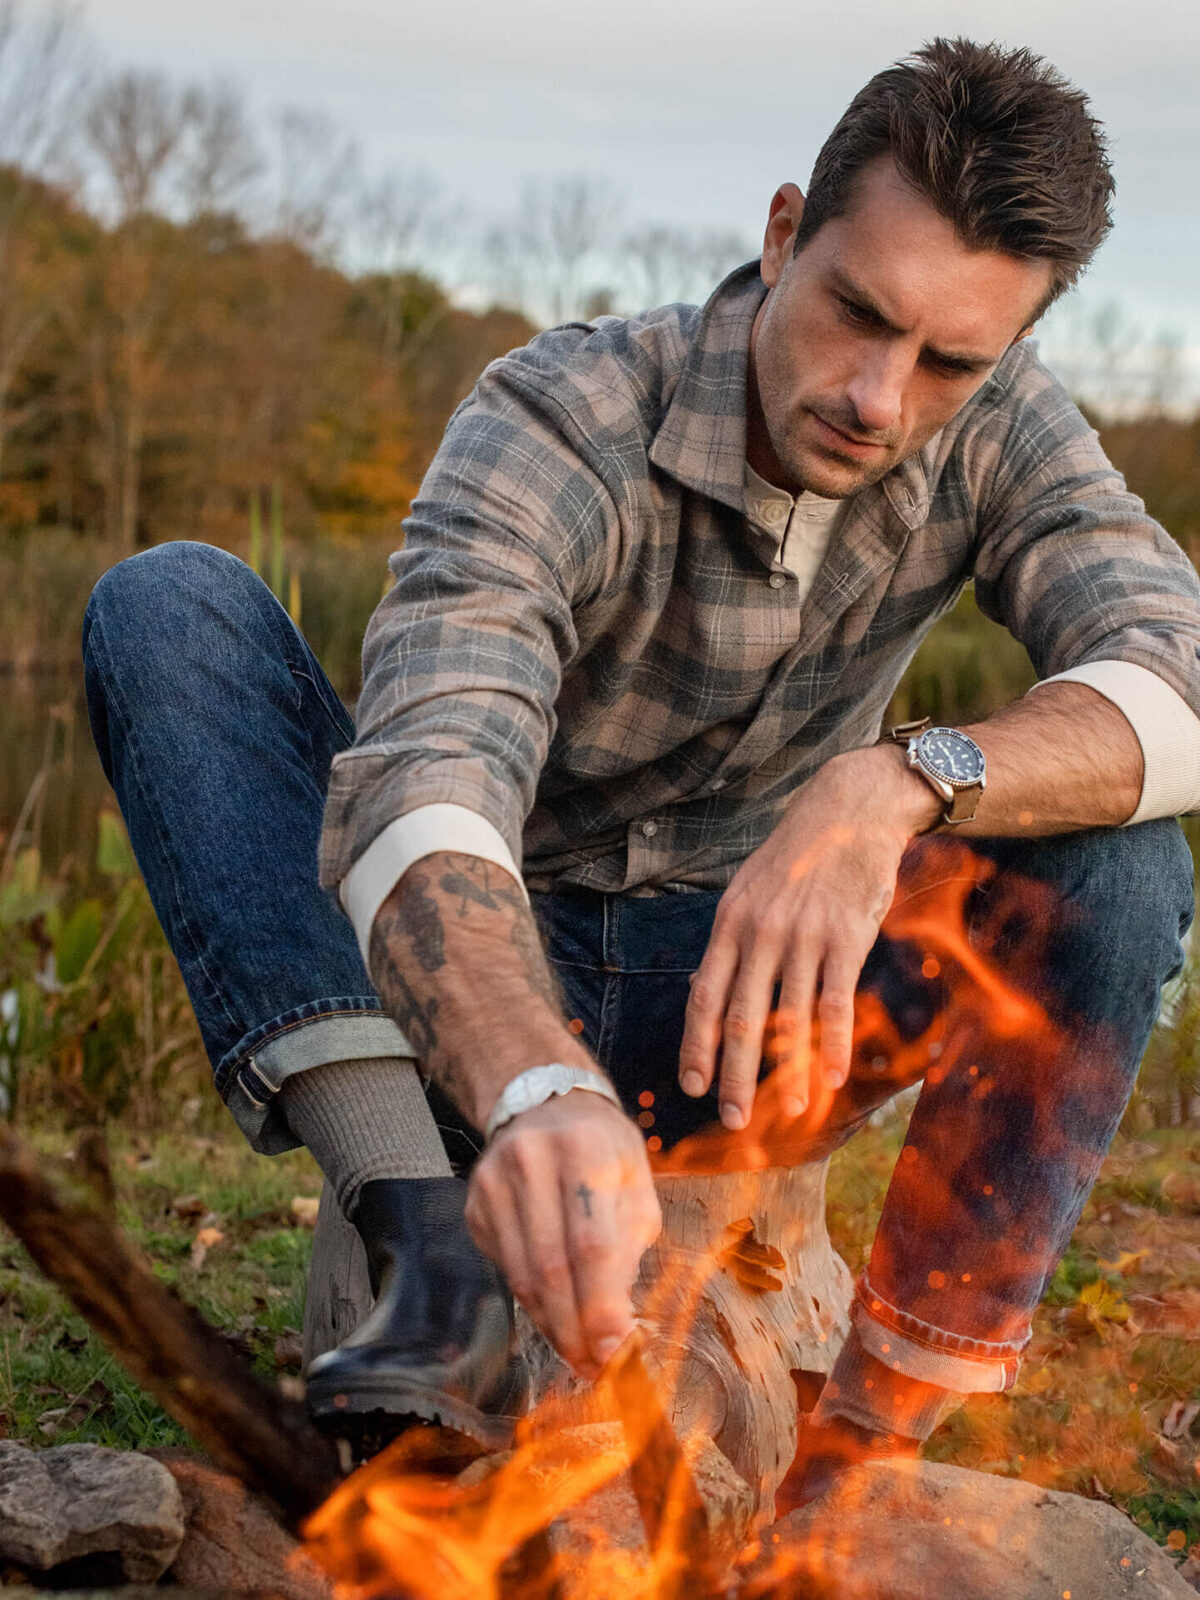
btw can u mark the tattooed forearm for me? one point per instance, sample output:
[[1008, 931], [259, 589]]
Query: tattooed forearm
[[418, 918], [474, 888], [528, 945], [458, 962]]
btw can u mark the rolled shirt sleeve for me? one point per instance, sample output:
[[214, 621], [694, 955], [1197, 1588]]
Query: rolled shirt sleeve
[[463, 658], [402, 844], [1167, 729], [1068, 559]]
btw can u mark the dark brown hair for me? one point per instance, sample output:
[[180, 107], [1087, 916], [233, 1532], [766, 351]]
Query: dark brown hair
[[997, 140]]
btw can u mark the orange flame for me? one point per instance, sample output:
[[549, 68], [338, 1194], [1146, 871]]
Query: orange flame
[[394, 1526]]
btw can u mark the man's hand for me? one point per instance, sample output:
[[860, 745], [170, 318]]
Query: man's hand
[[803, 912], [563, 1201]]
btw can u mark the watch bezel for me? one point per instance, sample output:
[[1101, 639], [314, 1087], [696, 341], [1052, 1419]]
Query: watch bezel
[[928, 766]]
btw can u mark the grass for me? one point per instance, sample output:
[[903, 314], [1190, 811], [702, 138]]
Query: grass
[[1116, 1342], [1091, 1411], [57, 1382]]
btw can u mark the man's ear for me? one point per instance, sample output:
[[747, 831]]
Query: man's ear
[[787, 207], [1024, 334]]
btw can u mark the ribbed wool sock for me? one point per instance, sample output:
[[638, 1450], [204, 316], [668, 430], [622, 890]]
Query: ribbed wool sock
[[867, 1392], [362, 1120]]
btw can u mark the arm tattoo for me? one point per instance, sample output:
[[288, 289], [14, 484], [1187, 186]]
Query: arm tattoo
[[476, 890], [585, 1200], [418, 917]]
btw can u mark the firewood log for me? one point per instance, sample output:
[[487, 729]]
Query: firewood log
[[743, 1297]]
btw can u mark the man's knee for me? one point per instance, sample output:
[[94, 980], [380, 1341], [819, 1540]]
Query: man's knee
[[151, 602], [1109, 906]]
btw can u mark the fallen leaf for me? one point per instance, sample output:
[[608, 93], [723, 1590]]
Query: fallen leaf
[[304, 1209], [1176, 1539], [1127, 1262], [1174, 1313], [1182, 1189], [1037, 1381], [1099, 1307], [288, 1350], [204, 1241], [187, 1206], [1177, 1423]]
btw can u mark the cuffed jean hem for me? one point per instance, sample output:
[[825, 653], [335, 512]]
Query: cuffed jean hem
[[932, 1355], [250, 1077]]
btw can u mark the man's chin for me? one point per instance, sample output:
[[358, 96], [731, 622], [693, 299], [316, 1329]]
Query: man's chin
[[831, 477]]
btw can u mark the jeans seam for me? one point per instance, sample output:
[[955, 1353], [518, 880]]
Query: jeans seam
[[307, 675], [129, 733], [925, 1333]]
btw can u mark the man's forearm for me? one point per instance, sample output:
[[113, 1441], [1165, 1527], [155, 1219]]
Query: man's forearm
[[1061, 759], [457, 960]]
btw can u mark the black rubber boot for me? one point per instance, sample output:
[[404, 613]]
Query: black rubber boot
[[439, 1345]]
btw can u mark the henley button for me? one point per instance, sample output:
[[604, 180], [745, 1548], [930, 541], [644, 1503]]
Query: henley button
[[777, 580], [650, 829]]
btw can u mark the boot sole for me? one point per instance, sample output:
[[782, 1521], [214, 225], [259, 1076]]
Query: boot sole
[[381, 1410]]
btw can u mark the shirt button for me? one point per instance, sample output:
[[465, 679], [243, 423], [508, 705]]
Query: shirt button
[[777, 580], [649, 829], [717, 783]]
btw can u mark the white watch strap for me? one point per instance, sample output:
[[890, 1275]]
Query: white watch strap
[[539, 1084]]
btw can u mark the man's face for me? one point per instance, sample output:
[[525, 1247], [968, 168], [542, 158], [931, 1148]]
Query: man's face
[[874, 335]]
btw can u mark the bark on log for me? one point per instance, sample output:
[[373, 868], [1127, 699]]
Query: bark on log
[[744, 1300], [247, 1427], [746, 1304]]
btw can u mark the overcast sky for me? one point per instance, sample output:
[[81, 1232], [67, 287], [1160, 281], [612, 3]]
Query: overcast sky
[[696, 112]]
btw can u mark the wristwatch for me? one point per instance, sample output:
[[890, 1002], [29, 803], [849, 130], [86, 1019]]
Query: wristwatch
[[950, 762], [539, 1084]]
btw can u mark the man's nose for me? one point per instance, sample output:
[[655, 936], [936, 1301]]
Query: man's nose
[[877, 391]]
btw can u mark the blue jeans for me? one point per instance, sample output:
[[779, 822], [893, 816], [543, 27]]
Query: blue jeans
[[1018, 980]]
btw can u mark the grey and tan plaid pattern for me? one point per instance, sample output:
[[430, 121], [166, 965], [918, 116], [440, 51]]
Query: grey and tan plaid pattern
[[592, 643]]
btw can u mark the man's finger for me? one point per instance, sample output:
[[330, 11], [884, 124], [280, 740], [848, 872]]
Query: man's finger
[[839, 979], [702, 1019], [491, 1216], [603, 1266], [742, 1034], [794, 1062], [539, 1218]]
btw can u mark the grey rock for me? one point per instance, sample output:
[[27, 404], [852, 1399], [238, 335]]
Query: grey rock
[[103, 1515], [609, 1516], [906, 1531]]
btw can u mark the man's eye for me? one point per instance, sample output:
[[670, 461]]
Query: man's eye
[[856, 313]]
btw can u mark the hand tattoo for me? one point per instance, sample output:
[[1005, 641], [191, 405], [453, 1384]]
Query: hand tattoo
[[585, 1199]]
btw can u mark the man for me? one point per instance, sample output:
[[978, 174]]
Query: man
[[655, 594]]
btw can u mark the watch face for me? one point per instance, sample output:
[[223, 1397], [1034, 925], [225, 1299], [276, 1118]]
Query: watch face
[[951, 756]]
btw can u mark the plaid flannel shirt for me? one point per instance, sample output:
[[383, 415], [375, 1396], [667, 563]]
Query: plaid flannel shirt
[[592, 643]]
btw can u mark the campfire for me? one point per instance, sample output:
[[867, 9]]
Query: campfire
[[659, 1480]]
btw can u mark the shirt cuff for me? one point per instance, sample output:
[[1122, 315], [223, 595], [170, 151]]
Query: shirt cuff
[[1167, 728], [417, 833]]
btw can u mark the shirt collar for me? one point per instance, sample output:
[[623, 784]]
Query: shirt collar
[[701, 441]]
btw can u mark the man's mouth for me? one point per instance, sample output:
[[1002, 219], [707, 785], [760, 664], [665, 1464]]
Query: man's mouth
[[838, 442]]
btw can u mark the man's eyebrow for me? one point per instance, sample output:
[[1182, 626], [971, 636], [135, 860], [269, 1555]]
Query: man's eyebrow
[[968, 362]]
